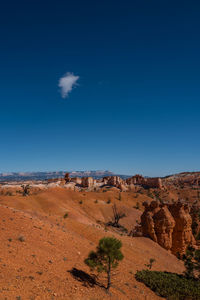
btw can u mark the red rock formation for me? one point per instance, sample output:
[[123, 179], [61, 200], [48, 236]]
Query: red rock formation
[[87, 182], [154, 182], [67, 177], [137, 179], [76, 180], [164, 224], [185, 179], [182, 233], [147, 221], [115, 181], [168, 225]]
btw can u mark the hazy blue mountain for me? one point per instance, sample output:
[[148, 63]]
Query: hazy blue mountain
[[14, 176]]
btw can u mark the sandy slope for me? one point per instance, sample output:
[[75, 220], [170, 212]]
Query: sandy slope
[[39, 267]]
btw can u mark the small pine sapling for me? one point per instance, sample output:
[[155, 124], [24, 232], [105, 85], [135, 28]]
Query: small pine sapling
[[106, 257]]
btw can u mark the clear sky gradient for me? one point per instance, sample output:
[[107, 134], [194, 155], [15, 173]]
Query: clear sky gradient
[[136, 105]]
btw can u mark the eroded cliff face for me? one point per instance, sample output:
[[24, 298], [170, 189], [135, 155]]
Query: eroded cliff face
[[147, 221], [154, 182], [164, 226], [87, 182], [182, 233], [115, 181], [168, 225]]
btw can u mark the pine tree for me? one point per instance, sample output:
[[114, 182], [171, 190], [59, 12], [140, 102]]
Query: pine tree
[[106, 257]]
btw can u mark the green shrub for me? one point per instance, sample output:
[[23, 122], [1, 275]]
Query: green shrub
[[170, 285], [150, 264], [65, 215], [192, 262]]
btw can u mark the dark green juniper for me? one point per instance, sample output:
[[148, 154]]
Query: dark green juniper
[[192, 262], [106, 257]]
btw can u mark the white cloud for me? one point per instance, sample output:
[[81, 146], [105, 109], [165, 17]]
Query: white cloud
[[66, 83]]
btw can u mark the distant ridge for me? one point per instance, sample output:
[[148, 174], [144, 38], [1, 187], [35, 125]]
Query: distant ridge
[[20, 176], [40, 176]]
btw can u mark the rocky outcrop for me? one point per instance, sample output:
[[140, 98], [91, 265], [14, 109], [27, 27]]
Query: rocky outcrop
[[185, 179], [154, 182], [116, 181], [76, 180], [67, 177], [164, 225], [168, 225], [136, 179], [147, 221], [87, 182], [182, 233]]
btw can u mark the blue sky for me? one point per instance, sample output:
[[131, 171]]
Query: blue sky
[[135, 107]]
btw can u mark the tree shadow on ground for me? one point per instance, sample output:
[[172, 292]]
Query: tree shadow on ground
[[83, 277]]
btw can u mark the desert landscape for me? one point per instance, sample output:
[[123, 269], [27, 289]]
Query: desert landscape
[[49, 227], [99, 150]]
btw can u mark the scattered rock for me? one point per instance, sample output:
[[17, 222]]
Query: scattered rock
[[21, 238]]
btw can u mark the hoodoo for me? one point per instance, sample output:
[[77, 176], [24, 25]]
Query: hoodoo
[[169, 225]]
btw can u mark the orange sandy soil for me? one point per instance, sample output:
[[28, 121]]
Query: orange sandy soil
[[39, 267]]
